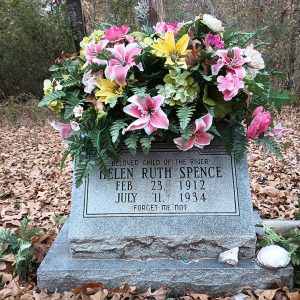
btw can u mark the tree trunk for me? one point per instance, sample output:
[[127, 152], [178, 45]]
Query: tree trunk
[[77, 22], [292, 55], [156, 12]]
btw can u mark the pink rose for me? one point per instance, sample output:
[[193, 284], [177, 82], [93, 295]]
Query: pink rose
[[260, 123], [167, 27], [117, 34]]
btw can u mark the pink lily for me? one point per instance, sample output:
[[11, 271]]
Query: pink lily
[[123, 59], [65, 129], [278, 131], [117, 34], [149, 113], [232, 64], [91, 51], [200, 136]]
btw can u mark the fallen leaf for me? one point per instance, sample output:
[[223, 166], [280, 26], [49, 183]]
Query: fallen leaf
[[86, 286], [160, 294], [265, 294], [100, 295]]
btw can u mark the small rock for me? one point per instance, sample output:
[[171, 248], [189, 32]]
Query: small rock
[[230, 256], [240, 296], [273, 256]]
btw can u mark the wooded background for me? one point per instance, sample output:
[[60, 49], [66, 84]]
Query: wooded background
[[34, 32]]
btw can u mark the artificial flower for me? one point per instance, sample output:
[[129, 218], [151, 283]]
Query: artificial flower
[[99, 106], [107, 90], [232, 60], [212, 23], [92, 50], [78, 110], [200, 137], [164, 27], [213, 40], [95, 36], [278, 131], [90, 80], [174, 52], [123, 59], [51, 86], [149, 113], [179, 89], [117, 34], [251, 73], [64, 128], [253, 58], [56, 105], [229, 85], [260, 123]]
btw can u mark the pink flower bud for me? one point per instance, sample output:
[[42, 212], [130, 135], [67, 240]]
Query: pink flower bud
[[260, 123]]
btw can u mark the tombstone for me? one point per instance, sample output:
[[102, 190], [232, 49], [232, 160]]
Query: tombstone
[[161, 219]]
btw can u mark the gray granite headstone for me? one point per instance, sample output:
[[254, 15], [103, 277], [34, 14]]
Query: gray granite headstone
[[168, 204], [159, 219]]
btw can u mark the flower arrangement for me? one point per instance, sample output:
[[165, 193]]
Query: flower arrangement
[[182, 83]]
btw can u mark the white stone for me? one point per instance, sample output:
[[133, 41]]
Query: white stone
[[240, 296], [273, 256], [230, 256]]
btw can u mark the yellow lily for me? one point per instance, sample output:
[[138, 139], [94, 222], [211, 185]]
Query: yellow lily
[[107, 90], [174, 52]]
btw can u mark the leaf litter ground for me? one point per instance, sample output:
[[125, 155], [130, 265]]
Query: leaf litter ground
[[31, 183]]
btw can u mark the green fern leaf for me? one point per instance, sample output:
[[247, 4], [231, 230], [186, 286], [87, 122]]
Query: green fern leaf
[[227, 133], [279, 98], [115, 129], [146, 143], [184, 29], [96, 139], [103, 161], [270, 145], [64, 157], [240, 38], [109, 145], [184, 115], [70, 105], [270, 237], [50, 97], [240, 143], [71, 80], [131, 143], [82, 170], [186, 134]]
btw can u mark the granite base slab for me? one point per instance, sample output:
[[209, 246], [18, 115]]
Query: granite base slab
[[59, 270]]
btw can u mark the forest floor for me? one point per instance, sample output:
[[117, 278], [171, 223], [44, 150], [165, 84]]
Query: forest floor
[[32, 184]]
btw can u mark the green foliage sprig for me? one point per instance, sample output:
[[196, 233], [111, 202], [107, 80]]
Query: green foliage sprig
[[19, 244]]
